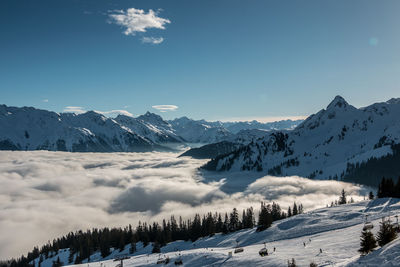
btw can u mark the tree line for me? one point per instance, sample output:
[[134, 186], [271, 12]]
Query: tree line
[[387, 188], [82, 244]]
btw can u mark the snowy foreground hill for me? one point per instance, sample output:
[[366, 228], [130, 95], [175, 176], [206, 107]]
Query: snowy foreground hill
[[335, 231], [327, 145]]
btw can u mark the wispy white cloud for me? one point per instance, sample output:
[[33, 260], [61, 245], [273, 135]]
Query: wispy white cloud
[[110, 113], [152, 40], [165, 108], [74, 109], [137, 20], [45, 100], [114, 113]]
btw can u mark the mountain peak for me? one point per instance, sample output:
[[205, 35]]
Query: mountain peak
[[338, 102], [393, 101], [150, 117], [92, 113]]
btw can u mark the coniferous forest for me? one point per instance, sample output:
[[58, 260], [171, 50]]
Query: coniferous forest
[[387, 188], [371, 171], [82, 244]]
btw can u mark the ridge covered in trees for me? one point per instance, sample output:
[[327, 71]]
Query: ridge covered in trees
[[83, 244], [371, 171]]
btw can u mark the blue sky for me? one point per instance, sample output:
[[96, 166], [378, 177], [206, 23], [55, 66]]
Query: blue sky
[[218, 59]]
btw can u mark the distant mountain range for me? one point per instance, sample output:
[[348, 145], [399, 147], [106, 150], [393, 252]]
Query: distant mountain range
[[28, 128], [339, 142]]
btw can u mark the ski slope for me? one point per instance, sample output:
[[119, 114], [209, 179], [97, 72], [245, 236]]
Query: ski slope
[[335, 230]]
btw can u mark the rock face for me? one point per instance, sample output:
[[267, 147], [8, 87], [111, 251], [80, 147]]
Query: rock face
[[326, 145]]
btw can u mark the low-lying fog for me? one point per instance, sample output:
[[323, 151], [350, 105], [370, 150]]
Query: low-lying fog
[[47, 194]]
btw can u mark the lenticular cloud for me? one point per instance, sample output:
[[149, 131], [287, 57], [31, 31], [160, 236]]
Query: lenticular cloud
[[47, 194]]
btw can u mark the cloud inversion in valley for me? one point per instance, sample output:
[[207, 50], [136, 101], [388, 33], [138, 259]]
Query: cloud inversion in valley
[[47, 194]]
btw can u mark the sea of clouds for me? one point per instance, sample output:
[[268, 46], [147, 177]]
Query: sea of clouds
[[44, 195]]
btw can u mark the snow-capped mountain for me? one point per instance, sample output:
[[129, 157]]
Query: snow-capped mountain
[[28, 128], [236, 127], [33, 129], [324, 145], [152, 126], [200, 131], [206, 132]]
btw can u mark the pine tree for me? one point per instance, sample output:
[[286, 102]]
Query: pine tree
[[145, 235], [301, 209], [244, 219], [265, 217], [132, 249], [104, 247], [276, 212], [195, 228], [225, 227], [368, 242], [248, 218], [234, 220], [386, 233], [219, 225], [156, 248], [386, 188], [397, 189], [121, 244], [371, 195], [71, 255], [41, 260], [289, 212], [295, 210], [343, 199]]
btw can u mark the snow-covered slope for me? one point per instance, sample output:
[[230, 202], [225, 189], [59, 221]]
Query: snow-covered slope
[[335, 231], [200, 131], [32, 129], [236, 127], [152, 126], [324, 144]]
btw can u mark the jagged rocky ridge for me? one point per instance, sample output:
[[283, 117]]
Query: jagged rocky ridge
[[28, 128], [33, 129], [327, 145]]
